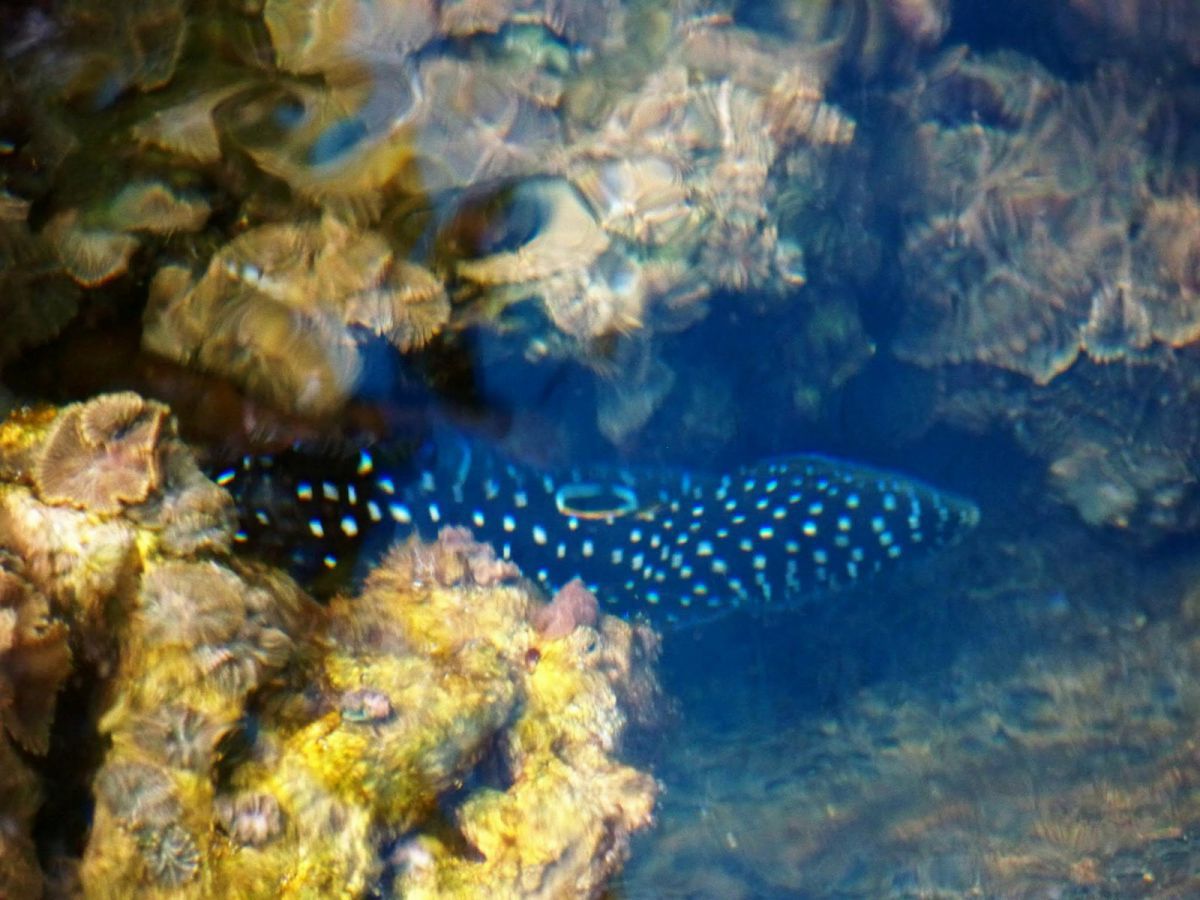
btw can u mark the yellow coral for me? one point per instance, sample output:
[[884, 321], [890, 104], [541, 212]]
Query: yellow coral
[[369, 713]]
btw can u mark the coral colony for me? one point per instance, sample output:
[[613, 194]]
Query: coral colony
[[368, 714]]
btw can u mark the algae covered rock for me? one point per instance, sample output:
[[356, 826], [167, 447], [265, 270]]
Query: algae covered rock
[[435, 677], [441, 731]]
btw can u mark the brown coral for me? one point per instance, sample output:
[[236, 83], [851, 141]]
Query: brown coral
[[276, 308], [573, 605], [20, 875], [101, 455], [1031, 251], [156, 208], [34, 662], [90, 255]]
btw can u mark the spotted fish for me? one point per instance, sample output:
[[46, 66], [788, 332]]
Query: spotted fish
[[673, 545]]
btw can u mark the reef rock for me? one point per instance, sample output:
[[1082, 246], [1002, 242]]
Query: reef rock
[[252, 738]]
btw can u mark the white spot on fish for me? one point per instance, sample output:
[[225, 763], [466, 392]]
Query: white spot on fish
[[365, 463], [588, 548], [766, 532], [760, 561], [226, 477], [374, 511], [843, 523], [520, 499], [304, 491], [435, 514], [351, 495], [809, 528], [386, 485], [349, 526], [704, 548], [508, 523], [329, 491], [539, 535], [317, 529], [478, 519], [400, 513]]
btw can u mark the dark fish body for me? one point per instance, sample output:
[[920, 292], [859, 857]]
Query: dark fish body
[[673, 545]]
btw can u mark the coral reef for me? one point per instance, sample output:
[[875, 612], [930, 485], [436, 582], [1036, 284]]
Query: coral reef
[[255, 739], [408, 170], [277, 307], [1054, 237], [1028, 251]]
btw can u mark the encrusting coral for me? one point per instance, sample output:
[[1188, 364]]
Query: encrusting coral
[[259, 744], [1044, 234]]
